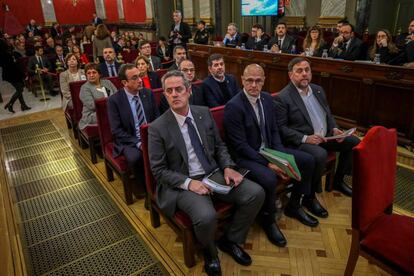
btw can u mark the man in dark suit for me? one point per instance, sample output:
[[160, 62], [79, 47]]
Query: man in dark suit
[[257, 40], [197, 98], [179, 54], [201, 36], [218, 87], [96, 20], [110, 67], [304, 120], [347, 46], [145, 50], [41, 63], [232, 38], [250, 125], [184, 146], [128, 109], [281, 42], [180, 31]]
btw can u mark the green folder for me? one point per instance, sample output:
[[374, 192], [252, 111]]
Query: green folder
[[285, 161]]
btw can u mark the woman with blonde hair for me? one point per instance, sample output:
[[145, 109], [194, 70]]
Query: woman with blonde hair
[[150, 79], [101, 41], [73, 73], [383, 46], [313, 45]]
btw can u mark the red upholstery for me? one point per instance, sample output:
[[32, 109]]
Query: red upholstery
[[161, 72], [90, 131], [74, 88], [119, 162], [378, 234], [157, 95], [129, 57], [391, 239], [218, 113], [105, 134], [167, 64], [149, 178], [116, 81], [373, 179]]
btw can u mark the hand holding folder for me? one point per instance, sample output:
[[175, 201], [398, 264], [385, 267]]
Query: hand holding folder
[[283, 160]]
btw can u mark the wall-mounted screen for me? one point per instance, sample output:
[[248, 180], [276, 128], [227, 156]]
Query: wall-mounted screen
[[259, 7]]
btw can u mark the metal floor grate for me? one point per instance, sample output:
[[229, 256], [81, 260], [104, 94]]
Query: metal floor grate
[[68, 224]]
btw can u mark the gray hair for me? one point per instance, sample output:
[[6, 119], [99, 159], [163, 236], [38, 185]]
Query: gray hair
[[175, 73]]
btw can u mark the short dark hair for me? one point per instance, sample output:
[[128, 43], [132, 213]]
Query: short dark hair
[[178, 47], [281, 23], [143, 42], [92, 66], [258, 26], [202, 22], [37, 48], [175, 73], [122, 70], [295, 61], [350, 25], [343, 21], [212, 58]]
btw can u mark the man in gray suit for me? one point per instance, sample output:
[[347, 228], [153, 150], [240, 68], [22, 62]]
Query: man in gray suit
[[184, 146], [304, 120]]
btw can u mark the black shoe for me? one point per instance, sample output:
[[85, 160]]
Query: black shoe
[[25, 107], [343, 188], [313, 206], [212, 265], [274, 235], [234, 250], [301, 215], [9, 107]]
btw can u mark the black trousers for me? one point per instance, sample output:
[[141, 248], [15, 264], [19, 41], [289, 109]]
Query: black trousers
[[18, 95]]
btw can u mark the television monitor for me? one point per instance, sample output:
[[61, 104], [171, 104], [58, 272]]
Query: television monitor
[[259, 7]]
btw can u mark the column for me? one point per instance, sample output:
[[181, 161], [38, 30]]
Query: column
[[121, 14], [149, 12], [188, 11], [100, 9], [48, 12], [205, 11], [331, 12], [295, 14]]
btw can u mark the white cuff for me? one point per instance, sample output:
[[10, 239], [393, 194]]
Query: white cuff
[[304, 139], [186, 183]]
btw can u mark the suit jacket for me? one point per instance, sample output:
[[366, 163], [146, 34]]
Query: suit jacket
[[242, 129], [121, 118], [96, 21], [64, 79], [156, 61], [196, 98], [161, 55], [232, 42], [31, 67], [287, 44], [355, 50], [88, 95], [201, 37], [212, 93], [174, 66], [184, 31], [12, 69], [154, 80], [253, 45], [104, 69], [293, 118], [169, 158]]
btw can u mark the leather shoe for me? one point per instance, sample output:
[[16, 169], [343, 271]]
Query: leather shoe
[[10, 108], [274, 235], [343, 188], [212, 266], [301, 215], [25, 107], [234, 250], [313, 206]]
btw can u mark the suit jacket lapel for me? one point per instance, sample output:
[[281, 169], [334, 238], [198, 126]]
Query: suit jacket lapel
[[216, 87], [318, 96], [250, 109], [125, 103], [294, 94], [177, 137], [198, 119]]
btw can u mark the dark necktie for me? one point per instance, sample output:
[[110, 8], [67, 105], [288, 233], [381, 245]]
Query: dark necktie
[[262, 123], [113, 73], [39, 60], [197, 146], [140, 115], [280, 43]]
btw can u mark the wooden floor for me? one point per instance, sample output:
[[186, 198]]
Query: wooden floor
[[318, 251]]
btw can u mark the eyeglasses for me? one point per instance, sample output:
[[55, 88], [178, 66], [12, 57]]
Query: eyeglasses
[[251, 81], [186, 70]]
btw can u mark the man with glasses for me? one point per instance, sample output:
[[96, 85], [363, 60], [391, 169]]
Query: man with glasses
[[218, 87], [250, 125], [347, 46], [110, 67], [184, 146], [145, 50], [128, 109], [196, 98]]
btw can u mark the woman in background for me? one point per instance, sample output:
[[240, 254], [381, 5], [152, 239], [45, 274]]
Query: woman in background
[[150, 79], [102, 40], [73, 73], [82, 57], [313, 45], [384, 46]]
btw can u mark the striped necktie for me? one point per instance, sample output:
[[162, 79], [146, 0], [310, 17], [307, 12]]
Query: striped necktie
[[140, 115]]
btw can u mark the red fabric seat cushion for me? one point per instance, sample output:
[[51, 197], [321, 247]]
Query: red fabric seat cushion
[[91, 131], [391, 239], [119, 162], [185, 221]]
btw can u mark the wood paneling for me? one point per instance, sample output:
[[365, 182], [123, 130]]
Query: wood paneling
[[359, 94]]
